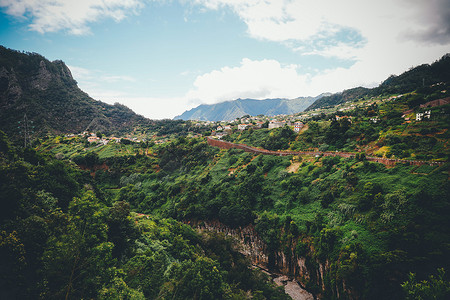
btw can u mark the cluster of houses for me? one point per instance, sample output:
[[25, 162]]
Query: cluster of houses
[[93, 138], [278, 124], [246, 123]]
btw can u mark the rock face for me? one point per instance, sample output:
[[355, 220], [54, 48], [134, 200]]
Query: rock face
[[303, 270], [42, 79], [9, 87], [46, 91]]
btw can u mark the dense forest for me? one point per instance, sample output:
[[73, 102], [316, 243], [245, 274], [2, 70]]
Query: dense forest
[[62, 236]]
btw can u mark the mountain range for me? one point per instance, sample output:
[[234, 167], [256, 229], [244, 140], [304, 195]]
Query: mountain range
[[420, 76], [230, 110], [46, 92]]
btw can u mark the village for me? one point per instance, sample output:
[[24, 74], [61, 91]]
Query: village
[[297, 122]]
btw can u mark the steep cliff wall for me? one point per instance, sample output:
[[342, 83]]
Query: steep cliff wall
[[309, 272]]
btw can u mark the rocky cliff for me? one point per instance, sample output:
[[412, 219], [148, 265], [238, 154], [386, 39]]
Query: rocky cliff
[[48, 94], [308, 271]]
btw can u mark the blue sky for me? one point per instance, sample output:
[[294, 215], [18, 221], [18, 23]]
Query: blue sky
[[162, 57]]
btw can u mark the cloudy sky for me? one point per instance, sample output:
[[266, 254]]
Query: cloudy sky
[[161, 57]]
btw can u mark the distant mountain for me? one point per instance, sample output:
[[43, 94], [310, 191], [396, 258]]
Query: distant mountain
[[47, 93], [231, 110], [418, 77]]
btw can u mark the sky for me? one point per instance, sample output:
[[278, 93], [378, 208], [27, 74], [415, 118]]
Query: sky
[[162, 57]]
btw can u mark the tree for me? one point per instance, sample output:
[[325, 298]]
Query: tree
[[199, 279], [121, 229], [436, 287], [78, 258]]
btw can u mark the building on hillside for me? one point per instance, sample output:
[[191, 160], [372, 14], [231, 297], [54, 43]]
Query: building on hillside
[[259, 124], [343, 117], [227, 128], [219, 135], [92, 139], [420, 116], [298, 126], [375, 119], [242, 126], [276, 124]]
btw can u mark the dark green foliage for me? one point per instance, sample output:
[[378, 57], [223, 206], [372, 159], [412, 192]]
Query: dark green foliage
[[434, 288], [279, 138], [58, 239], [235, 216], [338, 98], [184, 154]]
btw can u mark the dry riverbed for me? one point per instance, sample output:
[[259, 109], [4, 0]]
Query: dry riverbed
[[293, 289]]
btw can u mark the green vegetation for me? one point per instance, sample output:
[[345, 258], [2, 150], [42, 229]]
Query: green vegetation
[[63, 236], [88, 219], [370, 224], [378, 129], [421, 76]]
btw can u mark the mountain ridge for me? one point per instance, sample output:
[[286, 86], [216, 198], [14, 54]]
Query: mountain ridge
[[420, 76], [47, 93], [232, 109]]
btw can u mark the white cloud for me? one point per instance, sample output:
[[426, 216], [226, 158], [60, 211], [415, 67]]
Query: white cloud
[[380, 38], [252, 79], [71, 15], [80, 73], [86, 75], [314, 25]]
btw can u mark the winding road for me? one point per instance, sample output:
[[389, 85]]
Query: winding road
[[385, 161]]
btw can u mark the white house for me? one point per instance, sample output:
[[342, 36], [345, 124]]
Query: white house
[[420, 116], [298, 126], [242, 126], [276, 124]]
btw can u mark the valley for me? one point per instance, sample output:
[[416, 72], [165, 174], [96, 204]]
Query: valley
[[346, 200]]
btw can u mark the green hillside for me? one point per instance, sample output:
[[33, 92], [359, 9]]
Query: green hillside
[[420, 76], [365, 225], [63, 236], [46, 92]]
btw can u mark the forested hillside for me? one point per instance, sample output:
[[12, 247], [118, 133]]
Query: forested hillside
[[420, 76], [62, 236], [345, 228], [46, 92]]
